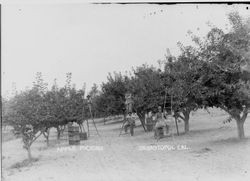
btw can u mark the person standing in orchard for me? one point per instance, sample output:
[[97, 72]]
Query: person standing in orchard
[[161, 122], [130, 122]]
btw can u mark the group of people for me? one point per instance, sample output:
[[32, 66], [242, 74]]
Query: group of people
[[161, 123]]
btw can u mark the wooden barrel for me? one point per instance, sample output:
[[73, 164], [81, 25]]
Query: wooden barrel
[[74, 136], [83, 136], [150, 126], [159, 133]]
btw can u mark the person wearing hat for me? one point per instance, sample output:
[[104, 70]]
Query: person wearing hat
[[130, 122], [161, 122]]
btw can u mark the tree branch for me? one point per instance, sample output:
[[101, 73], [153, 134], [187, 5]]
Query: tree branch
[[245, 112], [36, 137], [180, 116], [236, 117]]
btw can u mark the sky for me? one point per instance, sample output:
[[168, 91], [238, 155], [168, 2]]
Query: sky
[[92, 40]]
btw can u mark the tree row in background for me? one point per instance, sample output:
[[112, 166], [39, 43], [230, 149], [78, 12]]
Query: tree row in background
[[214, 72], [35, 111]]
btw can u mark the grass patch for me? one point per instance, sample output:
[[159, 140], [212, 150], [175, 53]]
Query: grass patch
[[24, 163]]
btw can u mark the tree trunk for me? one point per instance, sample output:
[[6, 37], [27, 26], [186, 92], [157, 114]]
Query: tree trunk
[[240, 128], [176, 125], [240, 120], [58, 133], [186, 121], [47, 140], [124, 116], [62, 128], [186, 125], [88, 127], [46, 135], [29, 153]]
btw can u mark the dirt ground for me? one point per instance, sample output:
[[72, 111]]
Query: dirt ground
[[211, 151]]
